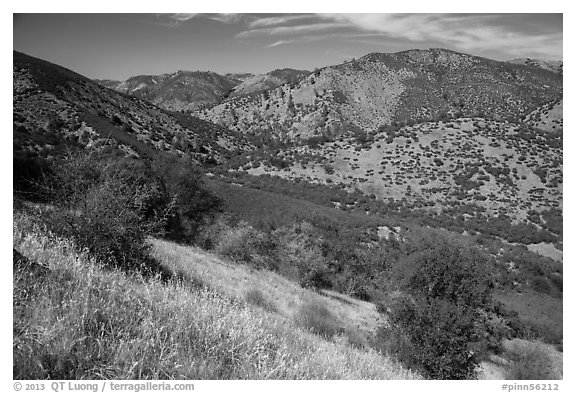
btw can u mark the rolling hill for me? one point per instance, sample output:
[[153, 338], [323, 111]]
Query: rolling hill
[[55, 108], [385, 88], [178, 91]]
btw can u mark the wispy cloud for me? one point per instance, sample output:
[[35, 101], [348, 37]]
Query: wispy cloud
[[465, 32], [176, 20], [270, 21], [290, 30], [278, 43], [226, 18], [474, 33]]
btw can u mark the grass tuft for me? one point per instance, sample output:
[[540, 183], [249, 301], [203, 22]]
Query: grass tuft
[[256, 297], [316, 317], [532, 361]]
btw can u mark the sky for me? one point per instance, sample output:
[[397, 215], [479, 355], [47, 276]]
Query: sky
[[117, 46]]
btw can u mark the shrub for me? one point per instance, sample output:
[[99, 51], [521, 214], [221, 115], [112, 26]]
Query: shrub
[[316, 317], [438, 320], [435, 337], [193, 205], [541, 284], [530, 361], [209, 235], [245, 244], [256, 297], [103, 207], [300, 255]]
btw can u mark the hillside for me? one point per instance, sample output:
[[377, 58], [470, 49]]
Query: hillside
[[242, 317], [179, 91], [497, 167], [268, 81], [113, 325], [556, 66], [383, 88], [55, 109], [548, 117]]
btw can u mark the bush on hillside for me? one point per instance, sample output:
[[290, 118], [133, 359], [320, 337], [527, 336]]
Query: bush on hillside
[[436, 337], [247, 245], [530, 361], [256, 297], [28, 173], [317, 318], [193, 204], [105, 207], [300, 255], [438, 322]]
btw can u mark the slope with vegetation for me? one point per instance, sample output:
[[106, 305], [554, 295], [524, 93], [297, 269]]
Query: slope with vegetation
[[382, 88], [178, 91], [471, 169], [75, 319], [55, 108], [290, 275]]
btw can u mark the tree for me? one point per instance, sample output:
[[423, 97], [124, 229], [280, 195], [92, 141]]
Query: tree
[[437, 316]]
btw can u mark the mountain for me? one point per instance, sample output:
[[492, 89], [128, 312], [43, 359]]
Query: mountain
[[240, 77], [55, 108], [551, 65], [188, 91], [385, 88], [268, 81], [179, 91]]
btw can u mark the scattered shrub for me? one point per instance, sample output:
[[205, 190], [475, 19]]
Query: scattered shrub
[[530, 361], [245, 244], [540, 284], [316, 317], [104, 208], [256, 297]]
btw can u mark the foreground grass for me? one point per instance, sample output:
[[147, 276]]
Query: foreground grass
[[77, 320], [358, 319]]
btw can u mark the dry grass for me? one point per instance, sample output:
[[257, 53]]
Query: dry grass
[[82, 321], [532, 360], [257, 298], [523, 359], [316, 317], [233, 279]]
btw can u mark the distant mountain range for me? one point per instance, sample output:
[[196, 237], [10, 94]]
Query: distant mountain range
[[189, 91]]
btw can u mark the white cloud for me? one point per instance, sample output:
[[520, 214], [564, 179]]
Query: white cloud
[[278, 43], [290, 30], [226, 18], [270, 21], [465, 32]]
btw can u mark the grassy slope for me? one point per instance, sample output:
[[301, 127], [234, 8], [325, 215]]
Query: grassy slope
[[78, 320], [359, 318]]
